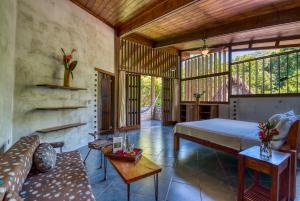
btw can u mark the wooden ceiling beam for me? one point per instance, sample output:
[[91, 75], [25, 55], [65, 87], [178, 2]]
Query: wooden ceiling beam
[[277, 39], [157, 12], [252, 23], [140, 39]]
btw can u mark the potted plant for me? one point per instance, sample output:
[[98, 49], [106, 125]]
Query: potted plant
[[198, 95], [69, 66], [266, 134]]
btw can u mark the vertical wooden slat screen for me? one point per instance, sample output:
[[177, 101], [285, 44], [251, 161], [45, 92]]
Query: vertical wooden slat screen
[[133, 86], [106, 97], [209, 73], [140, 59], [167, 94]]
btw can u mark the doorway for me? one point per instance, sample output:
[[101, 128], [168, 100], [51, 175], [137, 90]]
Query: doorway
[[105, 102], [151, 100], [146, 98]]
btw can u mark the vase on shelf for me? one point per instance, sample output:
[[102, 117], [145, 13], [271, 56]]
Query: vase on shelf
[[67, 78], [265, 150], [69, 65]]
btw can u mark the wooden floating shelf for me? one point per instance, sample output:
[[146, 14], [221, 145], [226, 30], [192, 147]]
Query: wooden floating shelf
[[60, 108], [58, 128], [53, 86]]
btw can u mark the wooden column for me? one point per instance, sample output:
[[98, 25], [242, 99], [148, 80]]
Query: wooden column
[[230, 72], [152, 97], [118, 61]]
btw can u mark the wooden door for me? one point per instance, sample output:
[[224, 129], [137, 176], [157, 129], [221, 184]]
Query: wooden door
[[133, 98], [167, 100], [106, 97]]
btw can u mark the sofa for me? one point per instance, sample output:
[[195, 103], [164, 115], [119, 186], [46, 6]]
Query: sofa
[[20, 180]]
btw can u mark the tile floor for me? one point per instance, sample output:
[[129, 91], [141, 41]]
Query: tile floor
[[195, 173]]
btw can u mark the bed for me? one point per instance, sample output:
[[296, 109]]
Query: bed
[[224, 134], [232, 136]]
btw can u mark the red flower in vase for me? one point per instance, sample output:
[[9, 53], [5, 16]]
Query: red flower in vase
[[267, 132], [67, 61]]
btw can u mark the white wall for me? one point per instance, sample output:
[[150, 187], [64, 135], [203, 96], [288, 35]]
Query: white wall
[[259, 108], [43, 27], [8, 9]]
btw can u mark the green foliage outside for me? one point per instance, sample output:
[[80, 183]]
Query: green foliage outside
[[146, 91], [267, 78]]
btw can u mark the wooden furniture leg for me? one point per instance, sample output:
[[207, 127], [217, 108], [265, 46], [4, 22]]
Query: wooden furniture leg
[[275, 185], [293, 172], [293, 168], [241, 176], [176, 142]]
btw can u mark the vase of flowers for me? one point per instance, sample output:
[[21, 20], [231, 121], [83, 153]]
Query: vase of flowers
[[266, 134], [69, 65]]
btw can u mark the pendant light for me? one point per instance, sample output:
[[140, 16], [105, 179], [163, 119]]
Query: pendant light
[[204, 49]]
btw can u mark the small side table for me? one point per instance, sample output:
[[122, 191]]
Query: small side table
[[278, 166]]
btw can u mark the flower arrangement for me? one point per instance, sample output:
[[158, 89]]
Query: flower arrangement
[[69, 66], [266, 134], [198, 94]]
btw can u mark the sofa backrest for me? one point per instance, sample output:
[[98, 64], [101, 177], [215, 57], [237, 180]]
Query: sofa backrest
[[16, 164]]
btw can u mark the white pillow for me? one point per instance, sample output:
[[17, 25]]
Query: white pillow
[[283, 128], [274, 119], [291, 115], [283, 123]]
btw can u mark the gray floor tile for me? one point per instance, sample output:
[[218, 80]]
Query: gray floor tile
[[193, 173]]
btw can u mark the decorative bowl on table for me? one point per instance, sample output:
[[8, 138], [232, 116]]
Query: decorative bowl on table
[[126, 156]]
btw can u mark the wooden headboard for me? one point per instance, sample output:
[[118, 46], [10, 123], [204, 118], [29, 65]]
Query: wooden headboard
[[294, 136]]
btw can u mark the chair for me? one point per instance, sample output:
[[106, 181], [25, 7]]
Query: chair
[[100, 141]]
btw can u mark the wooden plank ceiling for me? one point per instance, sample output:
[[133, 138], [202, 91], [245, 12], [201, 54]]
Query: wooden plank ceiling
[[182, 23], [115, 12]]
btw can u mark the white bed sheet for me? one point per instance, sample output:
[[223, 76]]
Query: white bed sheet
[[238, 135]]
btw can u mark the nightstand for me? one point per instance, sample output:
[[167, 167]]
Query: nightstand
[[278, 166]]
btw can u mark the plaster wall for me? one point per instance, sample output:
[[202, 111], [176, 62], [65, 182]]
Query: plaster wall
[[8, 9], [43, 27]]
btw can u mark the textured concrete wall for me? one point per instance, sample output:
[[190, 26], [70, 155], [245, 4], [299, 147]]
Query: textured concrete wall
[[43, 27], [259, 109], [7, 52]]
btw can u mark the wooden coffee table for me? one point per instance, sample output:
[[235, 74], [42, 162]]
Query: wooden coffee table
[[133, 171]]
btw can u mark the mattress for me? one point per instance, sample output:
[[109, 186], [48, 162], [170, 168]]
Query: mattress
[[238, 135]]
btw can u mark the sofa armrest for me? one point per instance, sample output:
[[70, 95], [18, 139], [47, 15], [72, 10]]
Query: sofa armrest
[[58, 145]]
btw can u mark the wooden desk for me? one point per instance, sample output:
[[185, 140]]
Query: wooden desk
[[133, 171], [278, 166]]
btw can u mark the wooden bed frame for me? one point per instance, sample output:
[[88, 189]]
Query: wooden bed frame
[[291, 146]]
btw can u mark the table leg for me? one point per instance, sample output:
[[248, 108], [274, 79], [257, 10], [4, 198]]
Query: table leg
[[87, 156], [156, 186], [241, 175], [275, 185], [128, 192], [101, 159], [105, 168]]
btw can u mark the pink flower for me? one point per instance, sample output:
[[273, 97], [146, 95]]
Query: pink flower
[[67, 58]]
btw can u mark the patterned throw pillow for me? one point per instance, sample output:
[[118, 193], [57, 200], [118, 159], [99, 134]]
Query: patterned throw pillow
[[44, 157], [12, 196]]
